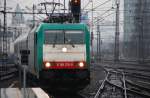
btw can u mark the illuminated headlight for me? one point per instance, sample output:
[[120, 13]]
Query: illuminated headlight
[[47, 64], [81, 64], [76, 1], [64, 49]]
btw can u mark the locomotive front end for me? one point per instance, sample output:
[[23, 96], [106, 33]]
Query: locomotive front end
[[65, 57]]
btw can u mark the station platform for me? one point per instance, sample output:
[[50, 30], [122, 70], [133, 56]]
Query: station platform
[[21, 93]]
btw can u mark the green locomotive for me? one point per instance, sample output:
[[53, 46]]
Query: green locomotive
[[59, 54]]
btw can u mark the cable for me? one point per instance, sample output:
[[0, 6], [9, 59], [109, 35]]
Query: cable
[[102, 4], [99, 5], [102, 19], [35, 16], [86, 5], [105, 12]]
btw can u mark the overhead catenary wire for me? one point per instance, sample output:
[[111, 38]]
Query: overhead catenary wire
[[39, 16], [102, 4], [111, 9], [99, 5], [86, 5], [101, 19]]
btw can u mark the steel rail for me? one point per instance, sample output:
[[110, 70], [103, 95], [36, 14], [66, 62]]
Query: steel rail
[[124, 82], [102, 86], [138, 75], [4, 75], [129, 90], [137, 85], [124, 85]]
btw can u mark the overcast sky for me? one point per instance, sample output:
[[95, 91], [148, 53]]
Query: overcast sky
[[84, 4]]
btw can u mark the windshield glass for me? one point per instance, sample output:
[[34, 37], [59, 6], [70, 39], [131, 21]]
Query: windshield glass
[[52, 37], [64, 37]]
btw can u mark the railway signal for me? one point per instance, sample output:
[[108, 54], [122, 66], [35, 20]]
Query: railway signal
[[76, 9]]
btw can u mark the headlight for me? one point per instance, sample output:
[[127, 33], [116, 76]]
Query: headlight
[[47, 64], [64, 49], [81, 64]]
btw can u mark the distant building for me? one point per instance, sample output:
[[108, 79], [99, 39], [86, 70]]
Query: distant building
[[18, 19], [17, 26], [18, 22], [136, 29]]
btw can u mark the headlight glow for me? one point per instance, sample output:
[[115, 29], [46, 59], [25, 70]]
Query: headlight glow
[[81, 64], [47, 64], [64, 49]]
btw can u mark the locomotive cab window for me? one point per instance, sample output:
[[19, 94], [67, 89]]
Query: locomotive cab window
[[64, 37], [52, 37], [76, 37]]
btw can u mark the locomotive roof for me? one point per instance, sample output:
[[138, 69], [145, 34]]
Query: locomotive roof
[[55, 26]]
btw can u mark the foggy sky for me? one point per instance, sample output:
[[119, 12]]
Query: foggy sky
[[99, 11]]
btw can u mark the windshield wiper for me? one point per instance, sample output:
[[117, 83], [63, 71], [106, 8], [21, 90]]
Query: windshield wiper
[[54, 42], [70, 42]]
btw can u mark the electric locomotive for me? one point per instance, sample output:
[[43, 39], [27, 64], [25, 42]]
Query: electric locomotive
[[58, 54]]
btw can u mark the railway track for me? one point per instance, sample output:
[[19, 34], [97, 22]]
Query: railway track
[[119, 83], [135, 80], [130, 66], [7, 72], [135, 74], [143, 73], [126, 62], [115, 85]]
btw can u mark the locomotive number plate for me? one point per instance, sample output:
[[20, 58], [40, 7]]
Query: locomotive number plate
[[64, 64]]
